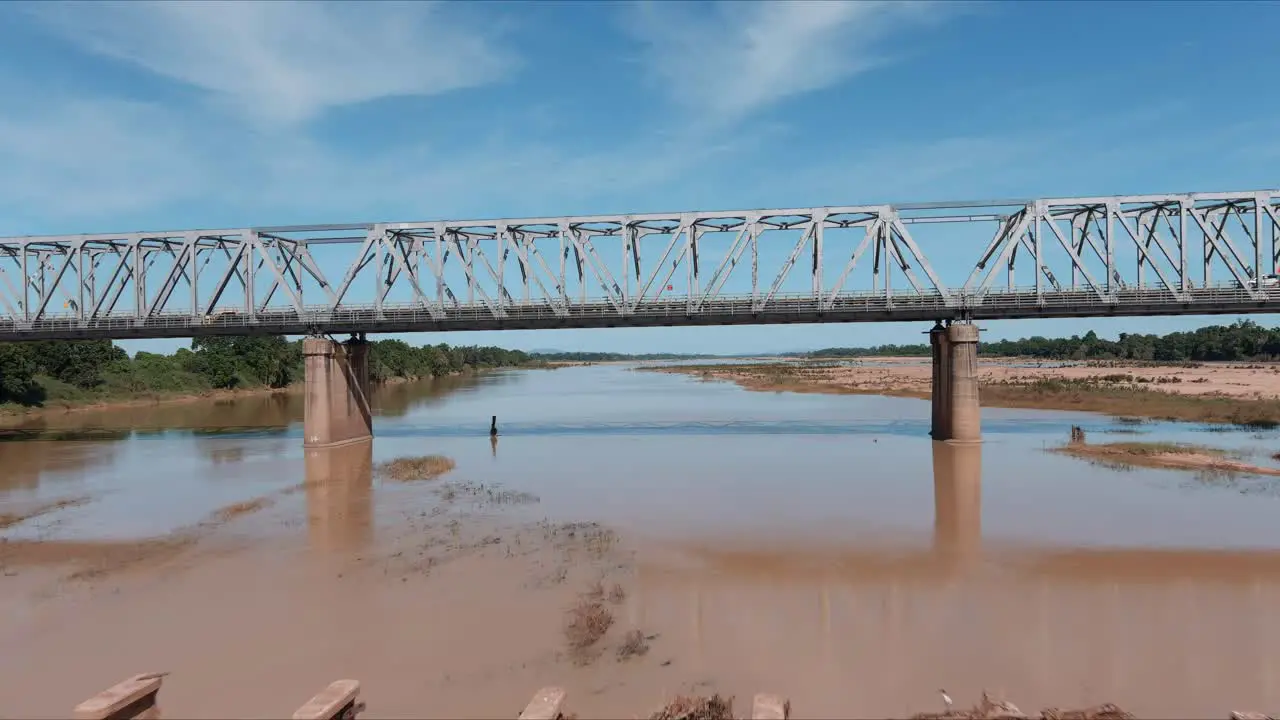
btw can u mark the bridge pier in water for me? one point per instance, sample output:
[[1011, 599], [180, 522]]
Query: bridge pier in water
[[957, 412], [337, 400]]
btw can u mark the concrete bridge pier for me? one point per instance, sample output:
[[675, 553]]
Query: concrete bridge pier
[[957, 412], [939, 389], [337, 382]]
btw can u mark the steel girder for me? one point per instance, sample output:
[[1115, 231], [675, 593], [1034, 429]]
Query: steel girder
[[1165, 254]]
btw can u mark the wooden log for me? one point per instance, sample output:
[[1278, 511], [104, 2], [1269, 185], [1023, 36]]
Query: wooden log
[[132, 699], [770, 707], [547, 704], [338, 701]]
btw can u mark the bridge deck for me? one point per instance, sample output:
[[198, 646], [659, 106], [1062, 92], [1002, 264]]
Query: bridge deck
[[864, 307]]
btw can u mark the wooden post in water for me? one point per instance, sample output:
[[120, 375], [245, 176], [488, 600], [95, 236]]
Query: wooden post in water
[[132, 699], [493, 427], [547, 704], [338, 701], [770, 707]]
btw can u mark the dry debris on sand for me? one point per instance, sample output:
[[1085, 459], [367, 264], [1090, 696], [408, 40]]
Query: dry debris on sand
[[588, 622], [235, 510], [989, 709], [9, 519], [633, 645], [687, 707], [426, 467]]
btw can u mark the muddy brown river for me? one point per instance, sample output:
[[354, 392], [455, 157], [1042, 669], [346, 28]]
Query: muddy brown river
[[816, 546]]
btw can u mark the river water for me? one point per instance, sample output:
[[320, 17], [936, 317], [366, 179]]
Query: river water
[[815, 545]]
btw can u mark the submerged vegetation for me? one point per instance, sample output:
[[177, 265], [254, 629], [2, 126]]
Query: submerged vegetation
[[427, 467], [35, 374], [1165, 455]]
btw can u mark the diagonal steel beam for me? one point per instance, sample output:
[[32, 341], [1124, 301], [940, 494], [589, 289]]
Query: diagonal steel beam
[[399, 259]]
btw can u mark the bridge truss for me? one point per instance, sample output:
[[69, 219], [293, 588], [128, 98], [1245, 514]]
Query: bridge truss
[[1122, 255]]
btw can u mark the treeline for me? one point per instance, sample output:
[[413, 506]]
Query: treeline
[[32, 373], [1241, 340], [390, 359], [608, 357], [873, 351]]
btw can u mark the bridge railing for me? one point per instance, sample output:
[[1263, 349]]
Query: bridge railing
[[593, 306], [601, 306], [724, 309]]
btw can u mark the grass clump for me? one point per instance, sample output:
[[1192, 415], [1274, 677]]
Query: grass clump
[[426, 467], [633, 645], [588, 622], [235, 510], [689, 707], [990, 709], [1157, 448], [617, 594]]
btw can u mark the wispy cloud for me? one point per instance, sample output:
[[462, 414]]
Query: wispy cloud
[[286, 62], [94, 157], [731, 59], [79, 164]]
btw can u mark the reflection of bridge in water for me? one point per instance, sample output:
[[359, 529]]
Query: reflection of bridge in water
[[1195, 630], [339, 489]]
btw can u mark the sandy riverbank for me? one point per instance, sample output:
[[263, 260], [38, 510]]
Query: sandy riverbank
[[12, 416], [1165, 455], [15, 416], [1232, 393]]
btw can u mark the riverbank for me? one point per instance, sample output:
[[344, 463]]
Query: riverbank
[[1216, 393], [12, 415]]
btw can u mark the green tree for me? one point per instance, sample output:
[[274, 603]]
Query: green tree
[[17, 375]]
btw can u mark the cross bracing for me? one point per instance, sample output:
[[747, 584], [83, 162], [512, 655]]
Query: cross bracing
[[1199, 253]]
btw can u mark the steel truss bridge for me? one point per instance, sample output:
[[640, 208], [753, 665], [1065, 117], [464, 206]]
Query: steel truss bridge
[[1067, 257]]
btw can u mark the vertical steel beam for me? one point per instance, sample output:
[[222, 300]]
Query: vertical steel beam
[[819, 224], [1259, 200], [755, 262], [26, 294], [1110, 239]]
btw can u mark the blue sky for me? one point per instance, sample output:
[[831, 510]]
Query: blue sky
[[176, 115]]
